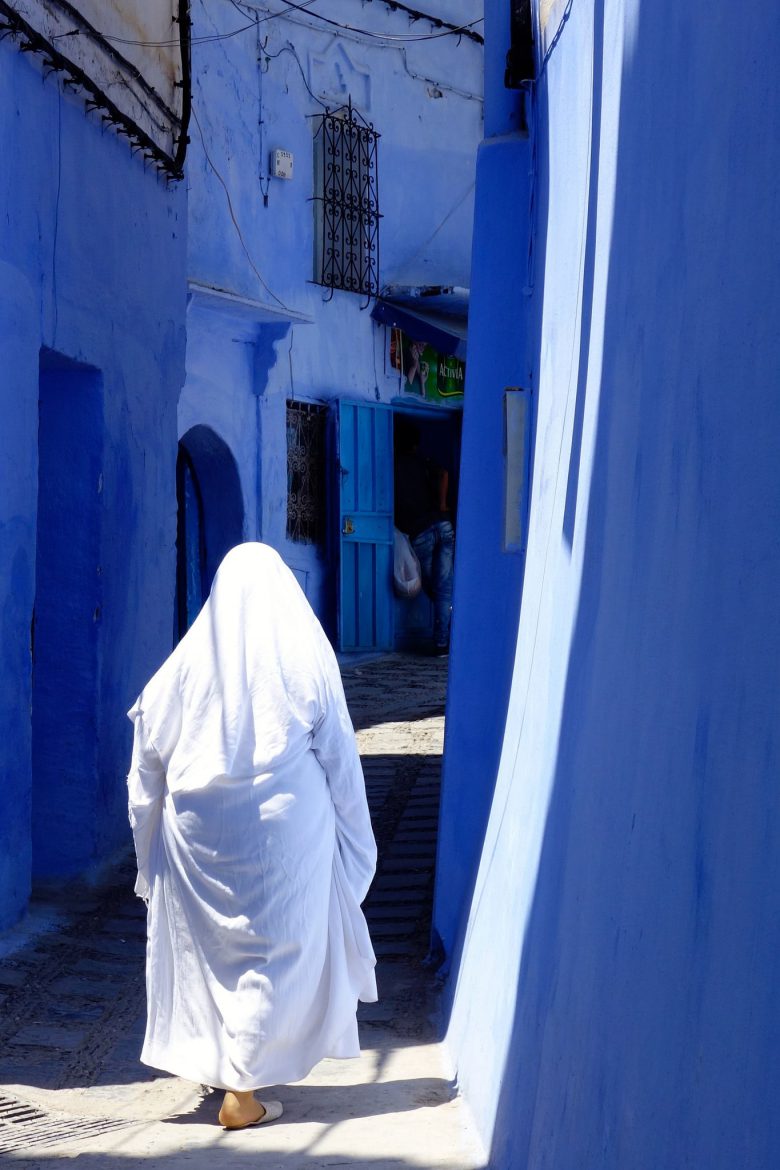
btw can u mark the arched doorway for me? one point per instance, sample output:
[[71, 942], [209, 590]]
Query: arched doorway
[[210, 518]]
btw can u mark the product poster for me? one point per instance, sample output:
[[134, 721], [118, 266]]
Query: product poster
[[433, 376]]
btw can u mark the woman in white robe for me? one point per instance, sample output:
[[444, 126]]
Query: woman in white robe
[[254, 844]]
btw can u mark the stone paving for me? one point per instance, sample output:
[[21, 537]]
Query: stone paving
[[72, 1001]]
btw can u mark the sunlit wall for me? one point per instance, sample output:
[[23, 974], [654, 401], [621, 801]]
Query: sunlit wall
[[617, 1001]]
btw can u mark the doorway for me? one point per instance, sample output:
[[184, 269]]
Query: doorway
[[66, 617], [210, 518], [369, 616], [439, 441]]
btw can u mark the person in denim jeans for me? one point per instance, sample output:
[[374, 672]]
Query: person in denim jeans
[[421, 512]]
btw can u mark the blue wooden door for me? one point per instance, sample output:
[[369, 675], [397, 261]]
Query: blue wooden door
[[365, 473]]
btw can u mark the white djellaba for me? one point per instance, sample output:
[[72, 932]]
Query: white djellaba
[[253, 840]]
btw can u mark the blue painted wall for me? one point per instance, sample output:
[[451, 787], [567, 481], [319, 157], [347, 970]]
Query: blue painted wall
[[287, 339], [67, 615], [621, 946], [92, 304], [488, 578]]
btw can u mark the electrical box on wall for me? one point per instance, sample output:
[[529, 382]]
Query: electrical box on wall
[[281, 164]]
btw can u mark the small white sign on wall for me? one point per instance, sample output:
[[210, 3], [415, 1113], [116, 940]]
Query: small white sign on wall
[[517, 462], [281, 164]]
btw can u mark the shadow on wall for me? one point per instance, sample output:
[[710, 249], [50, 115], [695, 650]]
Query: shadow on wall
[[67, 618], [646, 1026], [220, 488], [488, 577]]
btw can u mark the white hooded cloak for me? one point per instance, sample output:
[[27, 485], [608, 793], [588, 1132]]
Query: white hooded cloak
[[253, 840]]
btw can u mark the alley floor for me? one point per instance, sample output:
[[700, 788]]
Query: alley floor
[[72, 1002]]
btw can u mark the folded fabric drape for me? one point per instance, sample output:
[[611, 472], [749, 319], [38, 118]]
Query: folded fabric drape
[[253, 840]]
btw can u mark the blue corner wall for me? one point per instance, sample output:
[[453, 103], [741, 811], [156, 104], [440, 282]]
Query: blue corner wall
[[92, 304], [486, 598], [488, 578], [620, 949]]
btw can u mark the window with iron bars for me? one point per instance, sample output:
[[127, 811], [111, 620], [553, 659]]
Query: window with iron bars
[[306, 472], [346, 199]]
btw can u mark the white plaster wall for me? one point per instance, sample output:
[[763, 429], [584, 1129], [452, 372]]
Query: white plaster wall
[[218, 394]]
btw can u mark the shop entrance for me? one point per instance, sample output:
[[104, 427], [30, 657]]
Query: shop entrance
[[439, 434], [426, 339], [370, 617]]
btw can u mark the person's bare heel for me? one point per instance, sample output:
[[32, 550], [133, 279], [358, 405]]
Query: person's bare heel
[[240, 1110]]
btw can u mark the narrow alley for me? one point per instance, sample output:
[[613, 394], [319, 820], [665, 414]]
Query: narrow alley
[[465, 313], [72, 996]]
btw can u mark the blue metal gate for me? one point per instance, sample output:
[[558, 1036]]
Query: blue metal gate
[[365, 465]]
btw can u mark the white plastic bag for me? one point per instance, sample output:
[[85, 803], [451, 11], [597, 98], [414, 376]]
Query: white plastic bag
[[407, 576]]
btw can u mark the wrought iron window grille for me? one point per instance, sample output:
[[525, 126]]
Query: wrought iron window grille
[[347, 202], [306, 472]]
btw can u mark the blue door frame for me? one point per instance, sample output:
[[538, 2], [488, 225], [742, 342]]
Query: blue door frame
[[364, 444]]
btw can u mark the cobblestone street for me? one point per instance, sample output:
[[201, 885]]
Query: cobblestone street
[[72, 1001]]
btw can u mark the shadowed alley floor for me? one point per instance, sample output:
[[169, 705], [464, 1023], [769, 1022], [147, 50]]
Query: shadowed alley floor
[[72, 1001]]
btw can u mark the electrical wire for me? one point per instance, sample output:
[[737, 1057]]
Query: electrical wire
[[445, 86], [436, 21], [455, 207], [271, 16], [236, 225], [203, 39], [169, 44], [405, 37], [289, 48]]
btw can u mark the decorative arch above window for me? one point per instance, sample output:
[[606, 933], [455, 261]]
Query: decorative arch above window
[[346, 198]]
